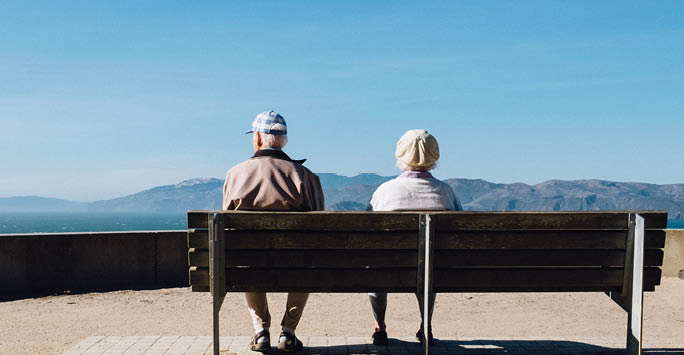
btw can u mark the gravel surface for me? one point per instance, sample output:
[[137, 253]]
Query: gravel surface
[[50, 325]]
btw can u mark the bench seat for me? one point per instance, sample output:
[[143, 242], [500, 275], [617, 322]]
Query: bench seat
[[423, 252]]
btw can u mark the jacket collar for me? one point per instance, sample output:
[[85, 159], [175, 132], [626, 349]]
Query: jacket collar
[[278, 154], [416, 174]]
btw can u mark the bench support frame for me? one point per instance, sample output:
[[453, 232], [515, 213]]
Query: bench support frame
[[426, 233], [633, 289], [217, 270], [631, 299]]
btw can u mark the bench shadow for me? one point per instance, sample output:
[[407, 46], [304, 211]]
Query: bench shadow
[[17, 296], [481, 346]]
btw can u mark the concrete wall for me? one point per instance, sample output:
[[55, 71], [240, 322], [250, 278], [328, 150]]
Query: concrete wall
[[673, 261], [40, 263]]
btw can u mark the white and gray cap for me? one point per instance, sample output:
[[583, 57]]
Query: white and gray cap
[[269, 122]]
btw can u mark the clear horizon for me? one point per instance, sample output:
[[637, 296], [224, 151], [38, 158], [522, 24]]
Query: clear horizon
[[104, 99]]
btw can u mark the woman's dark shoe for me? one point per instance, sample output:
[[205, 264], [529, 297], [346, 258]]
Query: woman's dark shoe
[[380, 337], [264, 346], [291, 343], [419, 336]]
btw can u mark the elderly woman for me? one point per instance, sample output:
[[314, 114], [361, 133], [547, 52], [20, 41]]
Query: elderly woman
[[414, 190]]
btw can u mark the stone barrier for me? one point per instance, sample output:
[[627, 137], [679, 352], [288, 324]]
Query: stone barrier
[[673, 262], [79, 262]]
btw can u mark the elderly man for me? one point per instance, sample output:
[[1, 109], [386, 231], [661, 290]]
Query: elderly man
[[271, 181]]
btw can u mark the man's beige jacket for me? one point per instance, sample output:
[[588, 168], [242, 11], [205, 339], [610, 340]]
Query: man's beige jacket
[[271, 181]]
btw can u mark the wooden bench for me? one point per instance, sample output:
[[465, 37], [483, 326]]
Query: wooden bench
[[619, 253]]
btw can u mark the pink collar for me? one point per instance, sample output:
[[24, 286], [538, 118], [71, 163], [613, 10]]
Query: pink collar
[[416, 174]]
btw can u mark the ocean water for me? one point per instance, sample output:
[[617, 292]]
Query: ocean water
[[675, 223], [62, 222]]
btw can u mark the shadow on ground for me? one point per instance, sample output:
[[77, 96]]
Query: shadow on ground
[[484, 346]]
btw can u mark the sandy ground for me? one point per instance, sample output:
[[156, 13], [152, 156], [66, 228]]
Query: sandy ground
[[50, 325]]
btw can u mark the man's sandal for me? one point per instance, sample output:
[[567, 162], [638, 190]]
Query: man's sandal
[[291, 343], [264, 346]]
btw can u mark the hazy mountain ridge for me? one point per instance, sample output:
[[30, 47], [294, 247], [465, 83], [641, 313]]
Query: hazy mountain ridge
[[577, 195], [354, 193], [194, 194], [39, 204]]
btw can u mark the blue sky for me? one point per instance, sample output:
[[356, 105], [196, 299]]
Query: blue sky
[[102, 99]]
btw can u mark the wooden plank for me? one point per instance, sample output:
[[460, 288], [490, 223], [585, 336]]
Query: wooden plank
[[313, 280], [654, 219], [524, 289], [654, 239], [537, 220], [198, 239], [565, 239], [407, 258], [279, 239], [373, 258], [511, 280], [463, 280], [199, 288], [449, 280], [530, 220], [561, 239], [408, 239], [199, 276], [539, 258], [318, 220], [465, 220]]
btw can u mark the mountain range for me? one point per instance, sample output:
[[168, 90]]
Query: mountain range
[[354, 193]]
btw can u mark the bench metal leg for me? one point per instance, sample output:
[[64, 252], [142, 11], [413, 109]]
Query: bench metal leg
[[425, 267], [633, 289], [217, 270]]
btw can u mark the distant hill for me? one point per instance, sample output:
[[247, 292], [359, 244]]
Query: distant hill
[[195, 194], [354, 193], [39, 204], [578, 195]]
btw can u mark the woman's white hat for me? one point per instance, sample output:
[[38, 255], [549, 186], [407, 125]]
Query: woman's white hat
[[417, 148]]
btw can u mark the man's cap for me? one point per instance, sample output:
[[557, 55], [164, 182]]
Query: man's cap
[[269, 122], [417, 148]]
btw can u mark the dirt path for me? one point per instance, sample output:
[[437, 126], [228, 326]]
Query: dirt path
[[50, 325]]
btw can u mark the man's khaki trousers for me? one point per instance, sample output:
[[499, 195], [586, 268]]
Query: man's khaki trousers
[[261, 318]]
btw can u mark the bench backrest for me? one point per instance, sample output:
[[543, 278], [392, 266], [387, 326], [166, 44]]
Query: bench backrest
[[385, 251]]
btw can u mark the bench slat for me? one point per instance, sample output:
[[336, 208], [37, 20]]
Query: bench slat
[[407, 258], [310, 258], [404, 280], [445, 220], [539, 258], [542, 220], [530, 278], [255, 239], [530, 221], [563, 239], [310, 220], [312, 280]]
